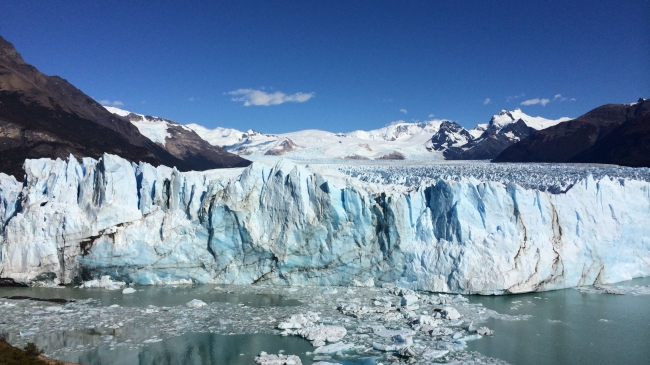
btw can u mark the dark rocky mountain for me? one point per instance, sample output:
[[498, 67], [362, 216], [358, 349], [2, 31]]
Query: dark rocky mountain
[[612, 133], [46, 116], [448, 135], [491, 143], [183, 142]]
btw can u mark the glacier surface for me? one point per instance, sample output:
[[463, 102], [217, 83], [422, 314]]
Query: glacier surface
[[291, 224]]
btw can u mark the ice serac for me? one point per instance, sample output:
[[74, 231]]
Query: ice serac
[[291, 224]]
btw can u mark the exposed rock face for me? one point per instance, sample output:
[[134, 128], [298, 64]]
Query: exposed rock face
[[283, 147], [290, 225], [627, 145], [491, 143], [46, 116], [393, 156], [182, 142], [449, 135], [612, 133]]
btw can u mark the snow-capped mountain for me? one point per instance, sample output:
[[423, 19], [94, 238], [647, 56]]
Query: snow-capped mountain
[[503, 129], [448, 135], [398, 131], [421, 140], [505, 118], [220, 136], [433, 139], [181, 141], [406, 139]]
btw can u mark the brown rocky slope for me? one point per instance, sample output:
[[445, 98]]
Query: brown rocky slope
[[610, 134], [46, 116]]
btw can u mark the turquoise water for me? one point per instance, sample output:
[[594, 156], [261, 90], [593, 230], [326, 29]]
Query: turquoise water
[[569, 327], [161, 296], [204, 348], [197, 348], [562, 327]]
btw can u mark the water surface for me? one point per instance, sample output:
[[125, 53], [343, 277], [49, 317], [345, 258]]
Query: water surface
[[569, 327], [161, 296]]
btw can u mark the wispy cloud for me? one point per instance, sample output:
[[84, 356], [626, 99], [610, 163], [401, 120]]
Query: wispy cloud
[[514, 97], [487, 101], [403, 111], [108, 102], [536, 101], [190, 99], [560, 98], [431, 115], [261, 98]]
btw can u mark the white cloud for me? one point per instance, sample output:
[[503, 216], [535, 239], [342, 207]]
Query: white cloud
[[487, 101], [536, 101], [262, 98], [403, 111], [572, 99], [515, 97], [560, 98], [108, 102], [431, 115]]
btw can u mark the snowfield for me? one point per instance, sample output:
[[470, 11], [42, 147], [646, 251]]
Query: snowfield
[[477, 230]]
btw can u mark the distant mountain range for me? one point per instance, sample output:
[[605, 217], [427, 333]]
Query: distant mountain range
[[46, 116], [441, 139]]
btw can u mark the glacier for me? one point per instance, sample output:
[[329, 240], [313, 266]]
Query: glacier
[[291, 224]]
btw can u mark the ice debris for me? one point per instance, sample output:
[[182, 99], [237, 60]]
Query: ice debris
[[450, 313], [333, 348], [615, 289], [104, 282], [411, 335], [196, 303], [319, 334], [266, 359], [298, 321]]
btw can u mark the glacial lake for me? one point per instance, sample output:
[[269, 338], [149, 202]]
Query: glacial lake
[[205, 348], [161, 296], [561, 327], [569, 327]]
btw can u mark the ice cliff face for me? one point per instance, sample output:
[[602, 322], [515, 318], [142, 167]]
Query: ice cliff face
[[289, 224]]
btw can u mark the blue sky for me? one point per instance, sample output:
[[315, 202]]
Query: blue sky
[[278, 66]]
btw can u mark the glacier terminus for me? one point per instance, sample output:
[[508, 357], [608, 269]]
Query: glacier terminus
[[293, 224]]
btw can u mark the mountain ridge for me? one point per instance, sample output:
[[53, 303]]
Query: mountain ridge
[[588, 137], [436, 139], [46, 116]]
